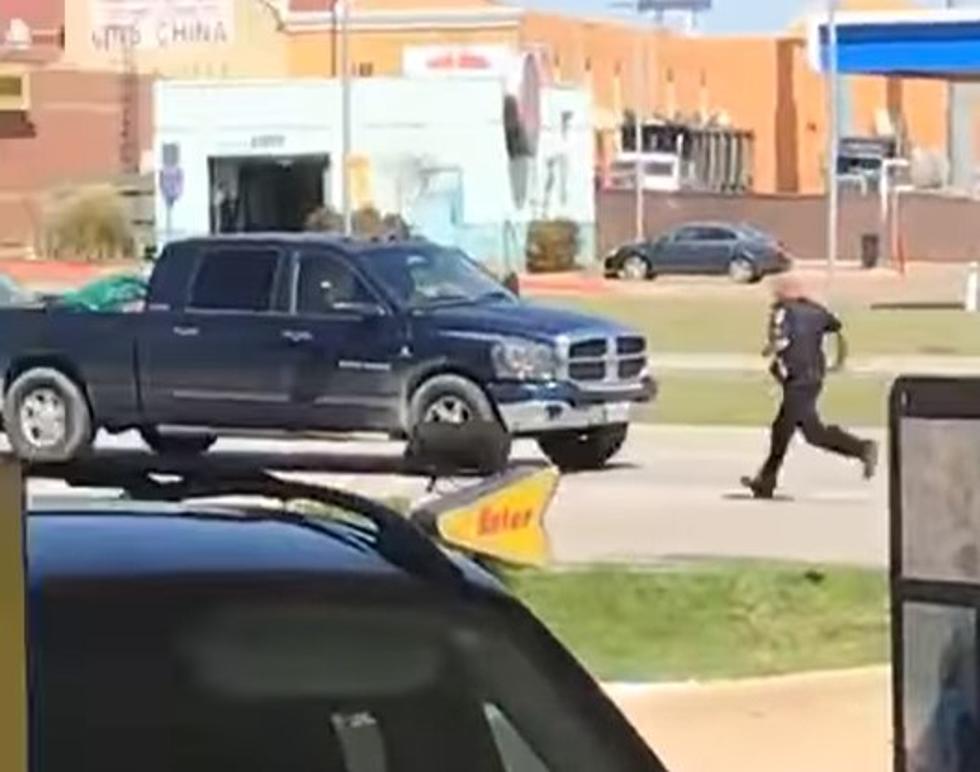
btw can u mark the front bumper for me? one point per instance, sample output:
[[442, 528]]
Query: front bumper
[[535, 409]]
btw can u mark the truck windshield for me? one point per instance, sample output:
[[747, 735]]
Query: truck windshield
[[429, 275], [190, 681]]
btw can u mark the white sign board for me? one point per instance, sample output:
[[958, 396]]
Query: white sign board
[[161, 24]]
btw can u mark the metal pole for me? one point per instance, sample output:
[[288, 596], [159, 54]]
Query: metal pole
[[833, 137], [345, 118], [952, 94], [638, 67]]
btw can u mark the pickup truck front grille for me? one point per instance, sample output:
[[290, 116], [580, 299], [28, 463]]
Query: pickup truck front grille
[[609, 361]]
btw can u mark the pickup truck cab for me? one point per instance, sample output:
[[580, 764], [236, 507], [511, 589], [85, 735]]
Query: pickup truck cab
[[307, 333]]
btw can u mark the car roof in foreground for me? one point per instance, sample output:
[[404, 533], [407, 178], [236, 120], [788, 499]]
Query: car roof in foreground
[[120, 540]]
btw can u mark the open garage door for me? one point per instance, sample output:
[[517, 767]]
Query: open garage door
[[266, 193]]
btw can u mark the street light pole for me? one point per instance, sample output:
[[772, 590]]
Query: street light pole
[[345, 118], [833, 137]]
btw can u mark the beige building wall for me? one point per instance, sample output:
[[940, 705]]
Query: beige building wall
[[255, 47]]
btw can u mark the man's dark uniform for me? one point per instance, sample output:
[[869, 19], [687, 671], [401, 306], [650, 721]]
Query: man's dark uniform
[[796, 331]]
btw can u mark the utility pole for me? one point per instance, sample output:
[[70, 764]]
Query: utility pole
[[833, 137], [639, 103], [345, 118]]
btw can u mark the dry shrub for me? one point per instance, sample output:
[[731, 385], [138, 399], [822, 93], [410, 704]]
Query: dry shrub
[[552, 245], [90, 223]]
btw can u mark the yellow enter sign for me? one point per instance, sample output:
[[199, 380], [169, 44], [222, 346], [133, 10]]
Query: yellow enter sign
[[13, 620], [502, 518]]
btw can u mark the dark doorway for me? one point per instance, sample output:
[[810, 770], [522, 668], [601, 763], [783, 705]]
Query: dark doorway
[[265, 193]]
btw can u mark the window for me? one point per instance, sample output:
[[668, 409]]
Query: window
[[235, 280], [703, 233], [716, 234], [326, 283], [432, 275], [204, 679]]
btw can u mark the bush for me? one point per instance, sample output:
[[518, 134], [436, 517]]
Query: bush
[[552, 245], [367, 222], [91, 224]]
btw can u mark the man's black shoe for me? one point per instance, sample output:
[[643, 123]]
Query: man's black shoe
[[760, 488], [869, 459]]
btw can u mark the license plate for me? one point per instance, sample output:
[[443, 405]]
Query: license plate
[[618, 413]]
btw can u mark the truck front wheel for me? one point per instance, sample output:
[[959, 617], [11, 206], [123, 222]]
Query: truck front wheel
[[47, 417], [177, 444], [585, 450], [451, 403]]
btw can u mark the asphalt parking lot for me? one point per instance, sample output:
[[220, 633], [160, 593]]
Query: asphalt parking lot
[[672, 494]]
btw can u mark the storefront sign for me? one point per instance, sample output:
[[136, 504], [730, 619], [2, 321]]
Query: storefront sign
[[443, 61], [161, 24]]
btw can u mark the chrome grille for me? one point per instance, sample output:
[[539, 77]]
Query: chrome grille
[[594, 361]]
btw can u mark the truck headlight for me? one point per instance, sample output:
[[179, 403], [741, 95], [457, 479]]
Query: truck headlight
[[524, 360]]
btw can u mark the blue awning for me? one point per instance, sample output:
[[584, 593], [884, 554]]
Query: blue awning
[[923, 44]]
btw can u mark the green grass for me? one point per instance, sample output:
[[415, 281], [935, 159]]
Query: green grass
[[702, 325], [750, 399], [712, 621]]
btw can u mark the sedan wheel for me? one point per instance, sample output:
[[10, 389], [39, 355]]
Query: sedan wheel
[[634, 268], [741, 271]]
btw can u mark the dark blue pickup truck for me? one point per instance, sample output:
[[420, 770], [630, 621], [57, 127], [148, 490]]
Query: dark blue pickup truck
[[308, 333]]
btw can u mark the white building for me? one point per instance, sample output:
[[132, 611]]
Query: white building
[[260, 155]]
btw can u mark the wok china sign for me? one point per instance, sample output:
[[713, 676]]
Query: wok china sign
[[160, 24]]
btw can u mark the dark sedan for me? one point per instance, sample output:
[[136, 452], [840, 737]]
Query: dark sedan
[[739, 251]]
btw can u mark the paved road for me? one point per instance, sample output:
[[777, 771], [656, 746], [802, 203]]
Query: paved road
[[674, 495]]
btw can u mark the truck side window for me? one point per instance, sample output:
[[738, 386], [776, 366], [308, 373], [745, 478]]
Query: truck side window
[[235, 280], [326, 283]]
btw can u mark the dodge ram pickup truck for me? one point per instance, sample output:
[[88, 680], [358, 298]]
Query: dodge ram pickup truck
[[305, 333]]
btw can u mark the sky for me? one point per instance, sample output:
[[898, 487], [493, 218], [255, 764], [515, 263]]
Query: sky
[[727, 16]]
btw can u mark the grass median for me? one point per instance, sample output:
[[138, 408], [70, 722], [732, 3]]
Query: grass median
[[728, 326], [712, 621], [750, 399]]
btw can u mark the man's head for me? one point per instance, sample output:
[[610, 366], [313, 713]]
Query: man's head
[[789, 286]]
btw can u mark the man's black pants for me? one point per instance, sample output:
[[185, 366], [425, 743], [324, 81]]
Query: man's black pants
[[799, 411]]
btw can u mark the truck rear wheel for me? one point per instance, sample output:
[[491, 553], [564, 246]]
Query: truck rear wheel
[[47, 417], [177, 444], [581, 451], [455, 402]]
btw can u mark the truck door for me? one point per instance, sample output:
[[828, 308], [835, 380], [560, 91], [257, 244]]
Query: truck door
[[345, 373], [225, 359]]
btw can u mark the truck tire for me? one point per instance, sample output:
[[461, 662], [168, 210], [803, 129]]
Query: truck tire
[[456, 401], [581, 451], [177, 444], [47, 417]]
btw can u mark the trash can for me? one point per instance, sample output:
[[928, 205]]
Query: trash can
[[870, 250]]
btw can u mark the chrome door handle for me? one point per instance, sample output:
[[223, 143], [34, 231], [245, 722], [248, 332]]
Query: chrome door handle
[[186, 332], [297, 336]]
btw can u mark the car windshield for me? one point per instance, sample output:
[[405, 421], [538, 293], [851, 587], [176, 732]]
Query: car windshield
[[430, 275]]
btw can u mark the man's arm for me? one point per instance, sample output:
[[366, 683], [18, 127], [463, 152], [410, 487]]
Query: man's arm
[[777, 339]]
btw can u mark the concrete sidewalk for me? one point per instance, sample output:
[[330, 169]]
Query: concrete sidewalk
[[801, 723], [888, 366]]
